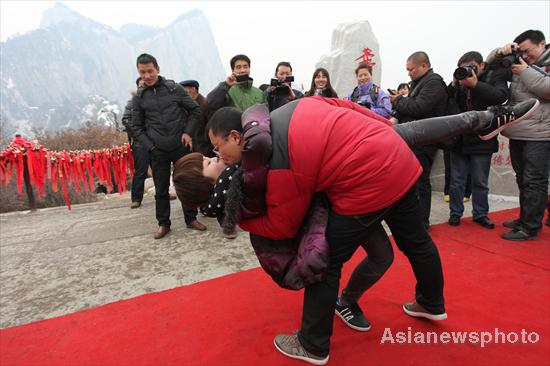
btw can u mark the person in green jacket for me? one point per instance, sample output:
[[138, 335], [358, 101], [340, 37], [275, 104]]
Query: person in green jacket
[[233, 91]]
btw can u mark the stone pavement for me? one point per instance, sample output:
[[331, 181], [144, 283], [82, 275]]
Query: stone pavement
[[56, 261]]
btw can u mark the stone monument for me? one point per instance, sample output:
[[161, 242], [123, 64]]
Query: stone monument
[[352, 43]]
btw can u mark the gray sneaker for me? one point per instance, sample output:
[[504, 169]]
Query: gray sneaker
[[417, 310], [512, 224], [289, 345], [519, 234], [505, 116]]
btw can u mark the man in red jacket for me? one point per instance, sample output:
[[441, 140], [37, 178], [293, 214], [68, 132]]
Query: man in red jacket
[[368, 173]]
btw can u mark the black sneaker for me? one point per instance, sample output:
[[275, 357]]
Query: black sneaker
[[485, 222], [519, 235], [512, 224], [353, 316], [454, 220], [505, 116]]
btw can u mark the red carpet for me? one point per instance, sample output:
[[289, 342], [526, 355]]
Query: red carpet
[[490, 283]]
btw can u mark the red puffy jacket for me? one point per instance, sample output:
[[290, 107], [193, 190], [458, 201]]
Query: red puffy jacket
[[343, 149]]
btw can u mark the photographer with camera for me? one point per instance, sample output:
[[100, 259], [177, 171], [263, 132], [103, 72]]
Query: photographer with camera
[[474, 87], [368, 94], [528, 57], [237, 90], [280, 90]]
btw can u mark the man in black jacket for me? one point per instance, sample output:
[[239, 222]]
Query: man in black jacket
[[282, 93], [475, 87], [160, 123], [139, 152], [427, 98]]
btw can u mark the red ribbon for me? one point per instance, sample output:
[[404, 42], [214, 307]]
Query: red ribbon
[[65, 168]]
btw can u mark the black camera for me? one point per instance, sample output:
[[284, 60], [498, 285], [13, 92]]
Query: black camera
[[462, 73], [511, 59], [278, 83], [241, 78], [364, 103]]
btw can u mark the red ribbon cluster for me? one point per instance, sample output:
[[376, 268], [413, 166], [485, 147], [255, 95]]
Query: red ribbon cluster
[[64, 169]]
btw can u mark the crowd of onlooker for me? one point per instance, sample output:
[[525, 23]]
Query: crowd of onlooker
[[509, 74]]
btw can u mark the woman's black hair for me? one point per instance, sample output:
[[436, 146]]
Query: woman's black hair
[[329, 90]]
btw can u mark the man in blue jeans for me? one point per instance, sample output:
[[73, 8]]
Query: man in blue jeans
[[477, 88]]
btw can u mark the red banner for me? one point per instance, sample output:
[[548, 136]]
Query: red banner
[[64, 168]]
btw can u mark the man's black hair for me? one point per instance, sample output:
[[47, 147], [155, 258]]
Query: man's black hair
[[224, 121], [236, 58], [470, 56], [146, 58], [283, 63], [534, 36], [420, 57], [137, 81]]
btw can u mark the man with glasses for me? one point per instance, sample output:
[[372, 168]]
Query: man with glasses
[[529, 59], [159, 123]]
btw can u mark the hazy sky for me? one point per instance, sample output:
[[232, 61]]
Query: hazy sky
[[301, 31]]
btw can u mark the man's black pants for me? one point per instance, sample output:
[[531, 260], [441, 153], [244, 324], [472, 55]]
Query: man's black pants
[[161, 162], [530, 162], [344, 235], [141, 164], [426, 156]]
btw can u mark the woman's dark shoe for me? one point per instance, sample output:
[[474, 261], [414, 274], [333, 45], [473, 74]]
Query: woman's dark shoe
[[505, 116], [353, 316]]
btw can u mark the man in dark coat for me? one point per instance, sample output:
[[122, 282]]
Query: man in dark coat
[[139, 152], [481, 88], [427, 98], [201, 143], [282, 93], [159, 122]]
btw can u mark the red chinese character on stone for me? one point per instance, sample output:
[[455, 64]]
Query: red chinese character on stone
[[366, 57]]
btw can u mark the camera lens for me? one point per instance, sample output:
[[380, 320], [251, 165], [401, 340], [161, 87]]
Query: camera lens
[[461, 73]]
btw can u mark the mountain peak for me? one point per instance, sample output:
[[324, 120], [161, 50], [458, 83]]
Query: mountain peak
[[61, 13], [195, 13], [57, 14]]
